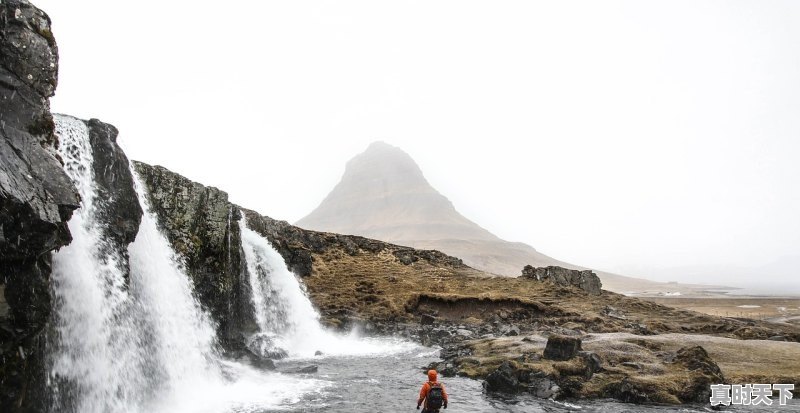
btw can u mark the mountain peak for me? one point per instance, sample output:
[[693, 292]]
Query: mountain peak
[[385, 164], [382, 190]]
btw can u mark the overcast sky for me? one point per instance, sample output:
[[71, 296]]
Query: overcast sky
[[654, 139]]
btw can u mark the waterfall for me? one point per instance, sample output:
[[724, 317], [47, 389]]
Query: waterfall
[[95, 363], [286, 318], [282, 310], [144, 345]]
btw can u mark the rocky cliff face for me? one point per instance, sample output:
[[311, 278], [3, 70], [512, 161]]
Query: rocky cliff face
[[36, 196], [203, 228]]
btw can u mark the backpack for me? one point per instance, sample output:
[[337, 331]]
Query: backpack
[[435, 397]]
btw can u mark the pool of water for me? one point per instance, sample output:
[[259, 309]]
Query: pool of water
[[390, 383]]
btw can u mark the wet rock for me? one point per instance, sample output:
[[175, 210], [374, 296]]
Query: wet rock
[[585, 280], [302, 370], [36, 200], [202, 227], [446, 369], [265, 347], [562, 347], [543, 387], [262, 363], [120, 209], [508, 378], [504, 379]]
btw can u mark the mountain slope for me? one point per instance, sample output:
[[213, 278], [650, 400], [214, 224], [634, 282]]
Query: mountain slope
[[384, 195]]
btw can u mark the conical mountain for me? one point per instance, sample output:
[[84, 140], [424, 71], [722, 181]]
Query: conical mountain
[[384, 195]]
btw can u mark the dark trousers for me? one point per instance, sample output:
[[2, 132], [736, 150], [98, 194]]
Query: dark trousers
[[425, 410]]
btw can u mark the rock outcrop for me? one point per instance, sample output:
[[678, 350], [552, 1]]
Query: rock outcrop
[[585, 280], [119, 210], [36, 197]]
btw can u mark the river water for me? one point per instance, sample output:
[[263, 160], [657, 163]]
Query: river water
[[390, 383]]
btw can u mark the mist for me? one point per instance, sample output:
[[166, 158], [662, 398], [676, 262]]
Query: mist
[[657, 140]]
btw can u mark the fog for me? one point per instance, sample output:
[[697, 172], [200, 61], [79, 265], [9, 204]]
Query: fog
[[652, 139]]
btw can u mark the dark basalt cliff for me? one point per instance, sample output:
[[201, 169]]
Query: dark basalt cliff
[[203, 228], [36, 196]]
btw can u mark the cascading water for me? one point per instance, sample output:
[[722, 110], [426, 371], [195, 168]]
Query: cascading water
[[145, 345], [285, 316], [94, 364]]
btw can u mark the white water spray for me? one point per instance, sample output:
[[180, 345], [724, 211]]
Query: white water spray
[[144, 348], [285, 315], [97, 348]]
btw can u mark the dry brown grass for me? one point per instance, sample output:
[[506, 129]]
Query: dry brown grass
[[379, 287]]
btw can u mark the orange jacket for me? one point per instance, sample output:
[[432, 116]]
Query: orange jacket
[[423, 393]]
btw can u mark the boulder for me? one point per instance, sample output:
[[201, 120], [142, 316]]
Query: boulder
[[508, 378], [703, 372], [265, 347], [504, 379], [561, 347]]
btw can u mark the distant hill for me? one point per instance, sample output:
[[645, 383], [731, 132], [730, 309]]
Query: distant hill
[[384, 195]]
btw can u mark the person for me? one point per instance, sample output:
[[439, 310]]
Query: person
[[432, 394]]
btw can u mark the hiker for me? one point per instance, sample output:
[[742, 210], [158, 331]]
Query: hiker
[[433, 394]]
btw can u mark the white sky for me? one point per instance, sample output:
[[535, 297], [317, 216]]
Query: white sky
[[656, 139]]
